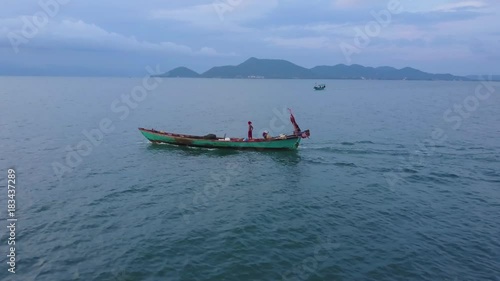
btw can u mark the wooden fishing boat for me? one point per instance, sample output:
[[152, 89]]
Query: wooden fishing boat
[[319, 87], [283, 142], [212, 141]]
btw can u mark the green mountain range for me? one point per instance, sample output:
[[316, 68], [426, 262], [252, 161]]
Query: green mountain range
[[181, 72], [282, 69]]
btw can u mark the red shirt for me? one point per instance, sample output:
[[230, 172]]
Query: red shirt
[[250, 129]]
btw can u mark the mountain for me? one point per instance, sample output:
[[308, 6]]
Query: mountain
[[282, 69], [260, 68], [180, 72], [355, 71]]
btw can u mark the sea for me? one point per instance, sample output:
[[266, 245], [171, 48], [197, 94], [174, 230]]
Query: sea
[[399, 180]]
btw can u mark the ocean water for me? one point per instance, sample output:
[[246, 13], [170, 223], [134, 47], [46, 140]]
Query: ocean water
[[400, 180]]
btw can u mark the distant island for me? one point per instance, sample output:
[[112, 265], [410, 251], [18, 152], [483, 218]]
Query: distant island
[[255, 68]]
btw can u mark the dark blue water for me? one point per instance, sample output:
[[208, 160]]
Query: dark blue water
[[390, 186]]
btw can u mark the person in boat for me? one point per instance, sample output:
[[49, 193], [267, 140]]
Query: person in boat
[[266, 135], [250, 129]]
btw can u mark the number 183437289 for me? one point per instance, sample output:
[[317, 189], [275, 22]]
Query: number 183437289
[[11, 193]]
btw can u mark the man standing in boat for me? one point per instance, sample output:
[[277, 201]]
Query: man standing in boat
[[250, 129]]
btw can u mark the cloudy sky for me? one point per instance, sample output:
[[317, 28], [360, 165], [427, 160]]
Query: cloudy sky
[[122, 37]]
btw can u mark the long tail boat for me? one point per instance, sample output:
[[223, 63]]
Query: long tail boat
[[319, 87], [211, 141]]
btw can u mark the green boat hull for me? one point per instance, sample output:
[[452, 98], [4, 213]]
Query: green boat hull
[[290, 142]]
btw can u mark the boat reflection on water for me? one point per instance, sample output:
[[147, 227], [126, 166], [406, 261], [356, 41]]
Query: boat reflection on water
[[284, 157], [270, 166], [192, 151]]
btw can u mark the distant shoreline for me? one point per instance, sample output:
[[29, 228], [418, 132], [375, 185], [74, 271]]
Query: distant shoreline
[[318, 79], [216, 78], [255, 68]]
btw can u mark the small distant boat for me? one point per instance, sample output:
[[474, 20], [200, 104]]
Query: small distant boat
[[319, 87], [212, 141]]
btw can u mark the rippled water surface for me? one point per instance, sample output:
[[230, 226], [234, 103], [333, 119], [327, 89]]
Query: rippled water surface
[[390, 186]]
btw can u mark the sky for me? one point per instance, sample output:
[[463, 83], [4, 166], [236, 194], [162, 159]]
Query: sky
[[122, 38]]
